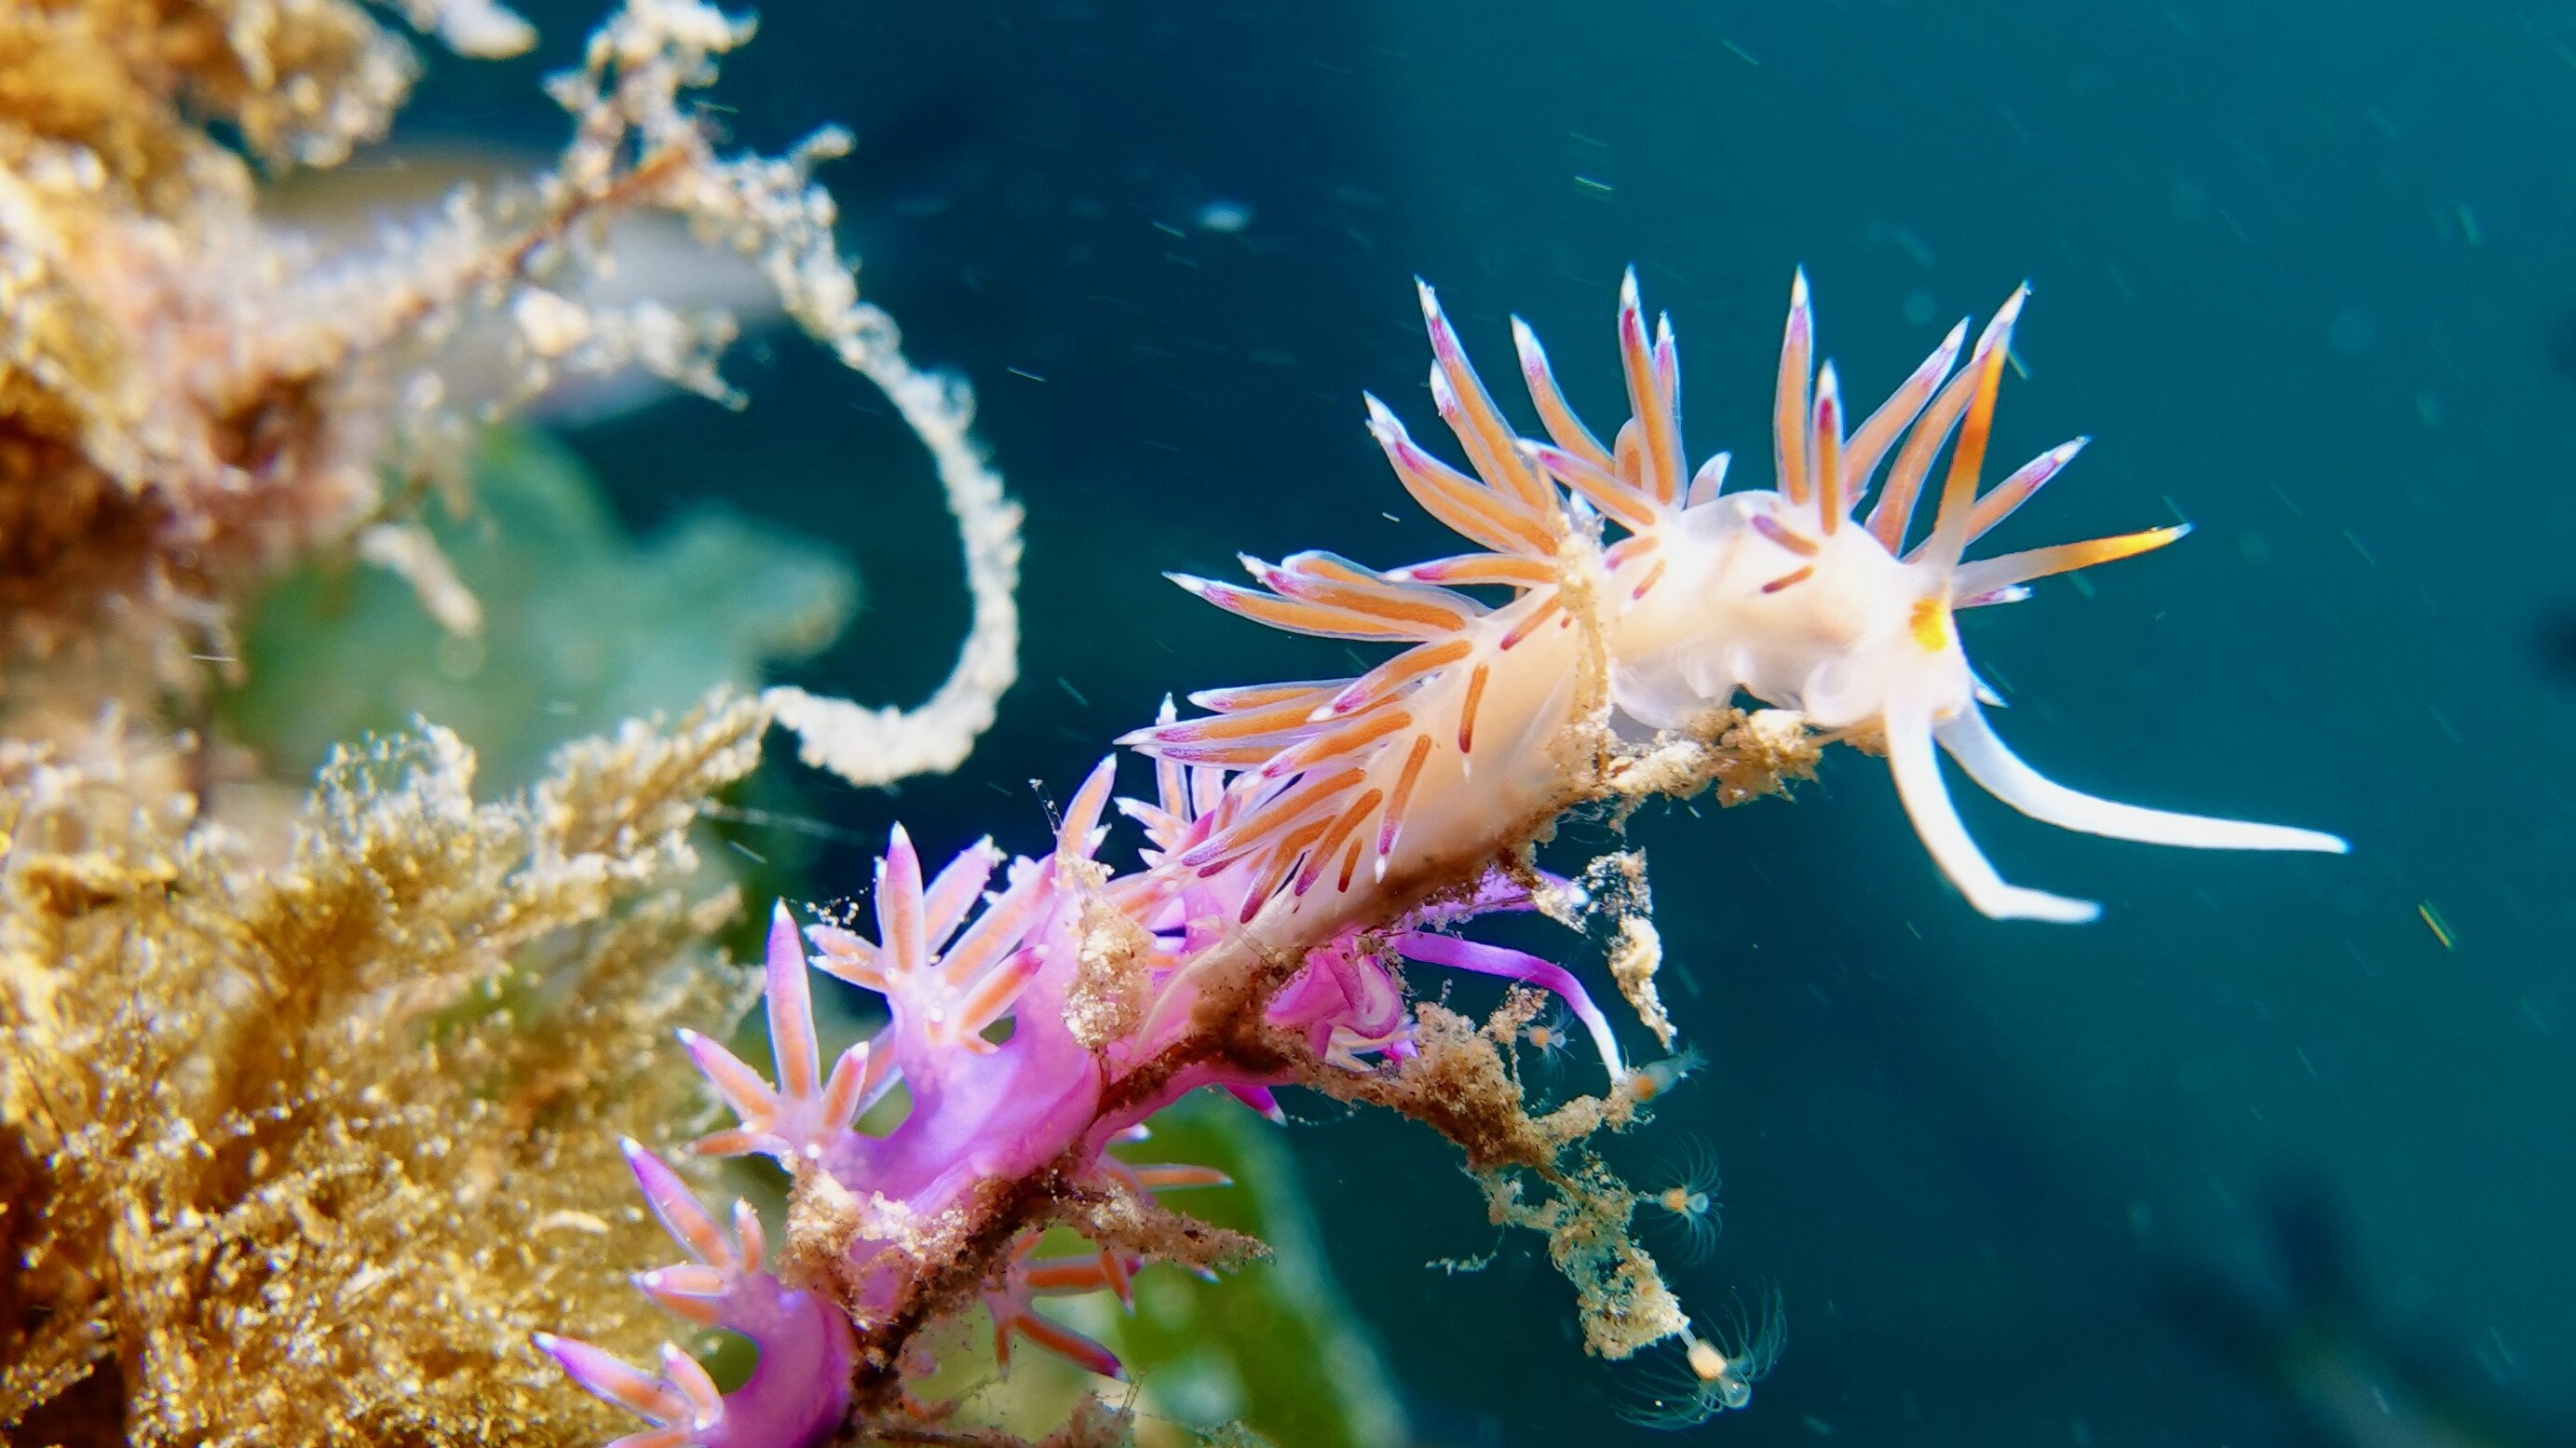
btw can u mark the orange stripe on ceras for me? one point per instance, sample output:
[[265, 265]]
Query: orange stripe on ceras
[[1330, 567], [1350, 863], [1562, 425], [1789, 408], [734, 1142], [1283, 858], [1609, 490], [1480, 428], [1466, 505], [899, 921], [1504, 568], [1292, 714], [1629, 450], [1467, 711], [689, 1281], [1896, 502], [649, 1400], [1386, 603], [2037, 563], [992, 995], [1299, 576], [1233, 839], [1114, 1267], [1381, 682], [1868, 447], [1403, 795], [1625, 549], [1529, 625], [1653, 576], [1781, 534], [1257, 696], [2009, 494], [1299, 616], [1348, 821], [1338, 743], [1968, 457], [1790, 579], [1829, 460], [1658, 468], [1219, 756], [1066, 1343]]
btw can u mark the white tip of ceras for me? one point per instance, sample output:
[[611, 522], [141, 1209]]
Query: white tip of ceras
[[785, 943], [1383, 424], [1709, 481]]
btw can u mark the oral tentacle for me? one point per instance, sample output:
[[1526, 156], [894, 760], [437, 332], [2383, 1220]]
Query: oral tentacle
[[1972, 741], [1916, 766]]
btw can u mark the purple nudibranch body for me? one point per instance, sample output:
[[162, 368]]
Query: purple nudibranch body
[[980, 1111]]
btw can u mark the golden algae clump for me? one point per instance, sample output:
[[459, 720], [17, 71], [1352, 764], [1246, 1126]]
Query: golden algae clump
[[302, 1156], [165, 416], [192, 398], [298, 1142]]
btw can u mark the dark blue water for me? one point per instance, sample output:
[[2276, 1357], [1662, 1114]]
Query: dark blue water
[[2300, 270]]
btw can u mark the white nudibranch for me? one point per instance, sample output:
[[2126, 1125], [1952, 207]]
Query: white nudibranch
[[1787, 596], [1792, 595]]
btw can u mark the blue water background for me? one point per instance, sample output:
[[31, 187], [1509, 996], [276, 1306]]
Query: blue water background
[[2301, 272]]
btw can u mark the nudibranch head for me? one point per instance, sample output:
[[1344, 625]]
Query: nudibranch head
[[1789, 595]]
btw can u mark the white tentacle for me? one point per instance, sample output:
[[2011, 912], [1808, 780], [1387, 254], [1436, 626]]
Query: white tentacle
[[1973, 742], [1917, 767]]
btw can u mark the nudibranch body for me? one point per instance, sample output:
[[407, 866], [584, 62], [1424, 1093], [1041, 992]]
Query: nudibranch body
[[1305, 841], [1785, 594]]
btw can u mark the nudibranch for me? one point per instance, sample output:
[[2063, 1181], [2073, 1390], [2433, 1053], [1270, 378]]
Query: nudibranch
[[1788, 594], [1306, 843]]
